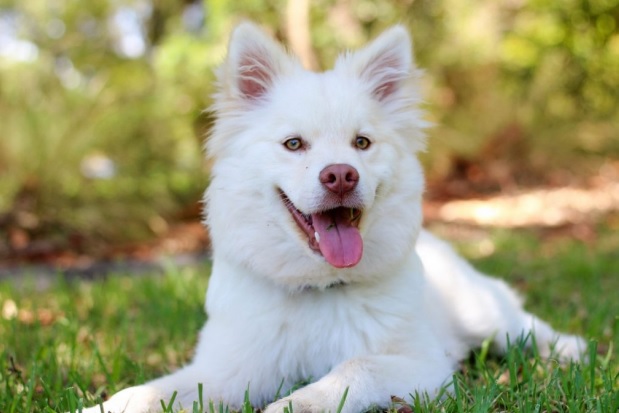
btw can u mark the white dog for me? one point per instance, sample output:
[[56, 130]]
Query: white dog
[[321, 269]]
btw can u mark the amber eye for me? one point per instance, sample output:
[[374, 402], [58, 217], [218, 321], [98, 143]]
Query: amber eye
[[293, 144], [361, 142]]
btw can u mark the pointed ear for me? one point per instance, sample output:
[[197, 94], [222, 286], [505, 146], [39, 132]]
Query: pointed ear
[[254, 62], [385, 64]]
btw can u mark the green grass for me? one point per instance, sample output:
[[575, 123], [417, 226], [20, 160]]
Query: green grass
[[75, 342]]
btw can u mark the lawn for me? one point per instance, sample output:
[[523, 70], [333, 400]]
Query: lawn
[[79, 341]]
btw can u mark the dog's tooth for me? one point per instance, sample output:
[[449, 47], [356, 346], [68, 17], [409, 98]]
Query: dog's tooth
[[317, 236]]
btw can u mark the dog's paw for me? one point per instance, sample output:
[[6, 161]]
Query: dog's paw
[[139, 399], [567, 348], [314, 398], [296, 405]]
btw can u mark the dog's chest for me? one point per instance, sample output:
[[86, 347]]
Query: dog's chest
[[320, 329]]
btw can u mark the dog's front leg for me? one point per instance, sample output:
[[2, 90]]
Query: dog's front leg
[[177, 390], [370, 380]]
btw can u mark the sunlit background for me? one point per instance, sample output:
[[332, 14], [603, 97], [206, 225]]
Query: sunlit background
[[102, 102]]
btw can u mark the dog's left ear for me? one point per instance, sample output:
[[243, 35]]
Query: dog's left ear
[[385, 64], [253, 64]]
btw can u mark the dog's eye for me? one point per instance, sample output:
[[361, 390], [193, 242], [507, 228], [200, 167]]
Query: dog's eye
[[361, 142], [293, 144]]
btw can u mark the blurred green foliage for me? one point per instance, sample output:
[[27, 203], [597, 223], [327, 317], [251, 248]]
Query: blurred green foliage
[[123, 84]]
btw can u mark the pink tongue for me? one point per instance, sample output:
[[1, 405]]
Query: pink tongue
[[340, 241]]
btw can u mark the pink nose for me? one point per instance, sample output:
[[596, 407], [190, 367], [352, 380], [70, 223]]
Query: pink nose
[[339, 178]]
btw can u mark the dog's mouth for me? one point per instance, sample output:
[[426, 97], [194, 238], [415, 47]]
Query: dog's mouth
[[334, 233]]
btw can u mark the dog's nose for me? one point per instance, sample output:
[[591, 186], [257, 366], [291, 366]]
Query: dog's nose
[[339, 178]]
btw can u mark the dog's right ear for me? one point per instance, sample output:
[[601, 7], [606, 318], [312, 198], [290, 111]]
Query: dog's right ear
[[253, 64]]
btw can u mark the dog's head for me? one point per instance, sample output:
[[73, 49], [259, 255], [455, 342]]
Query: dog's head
[[315, 180]]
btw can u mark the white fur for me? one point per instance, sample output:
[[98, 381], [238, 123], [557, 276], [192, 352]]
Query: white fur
[[278, 312]]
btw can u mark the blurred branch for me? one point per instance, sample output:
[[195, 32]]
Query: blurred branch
[[298, 32]]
